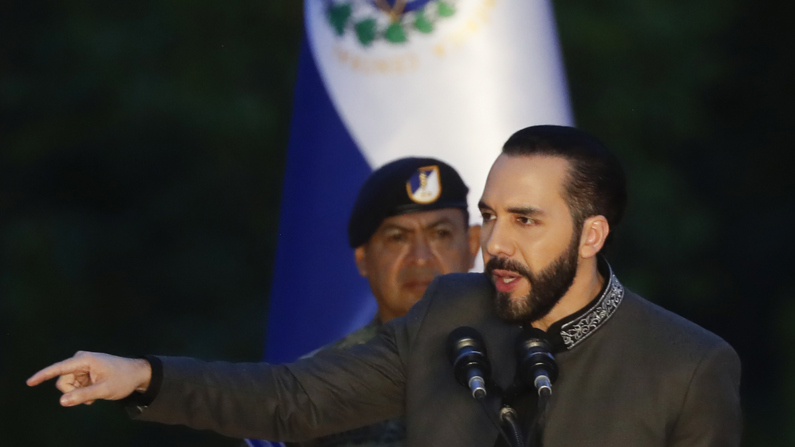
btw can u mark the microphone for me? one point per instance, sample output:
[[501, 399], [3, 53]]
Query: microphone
[[468, 356], [535, 363]]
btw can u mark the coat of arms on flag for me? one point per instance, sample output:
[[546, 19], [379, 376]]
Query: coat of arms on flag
[[425, 186], [390, 20]]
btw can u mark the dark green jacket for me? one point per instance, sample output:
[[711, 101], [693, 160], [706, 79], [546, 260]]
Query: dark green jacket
[[388, 433], [631, 374]]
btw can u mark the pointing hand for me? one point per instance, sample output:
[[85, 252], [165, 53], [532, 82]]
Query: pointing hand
[[89, 376]]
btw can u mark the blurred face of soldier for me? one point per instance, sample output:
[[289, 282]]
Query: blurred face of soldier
[[530, 246], [409, 250]]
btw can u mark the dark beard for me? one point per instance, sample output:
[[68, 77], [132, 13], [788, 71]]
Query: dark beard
[[546, 287]]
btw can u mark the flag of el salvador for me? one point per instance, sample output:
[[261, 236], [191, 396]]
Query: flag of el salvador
[[384, 79]]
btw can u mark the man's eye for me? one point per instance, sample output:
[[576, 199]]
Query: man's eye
[[396, 237], [523, 220], [443, 233], [486, 216]]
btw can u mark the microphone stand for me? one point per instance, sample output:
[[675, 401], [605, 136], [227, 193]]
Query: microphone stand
[[536, 434], [499, 427], [510, 419]]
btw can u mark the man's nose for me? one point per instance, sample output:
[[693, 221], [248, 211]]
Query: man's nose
[[497, 240], [421, 252]]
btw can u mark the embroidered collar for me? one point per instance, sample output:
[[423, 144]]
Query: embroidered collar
[[572, 330]]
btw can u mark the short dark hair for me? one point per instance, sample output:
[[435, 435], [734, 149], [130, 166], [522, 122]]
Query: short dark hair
[[596, 184]]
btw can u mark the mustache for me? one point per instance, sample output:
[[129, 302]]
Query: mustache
[[508, 264]]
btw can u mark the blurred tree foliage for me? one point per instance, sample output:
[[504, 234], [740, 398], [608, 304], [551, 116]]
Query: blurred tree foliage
[[142, 149], [142, 146]]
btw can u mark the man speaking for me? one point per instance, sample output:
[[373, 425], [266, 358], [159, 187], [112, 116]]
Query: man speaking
[[629, 372]]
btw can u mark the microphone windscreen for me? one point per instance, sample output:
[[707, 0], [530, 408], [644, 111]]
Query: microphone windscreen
[[530, 337], [461, 337]]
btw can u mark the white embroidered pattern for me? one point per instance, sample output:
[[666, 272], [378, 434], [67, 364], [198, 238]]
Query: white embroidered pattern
[[578, 330]]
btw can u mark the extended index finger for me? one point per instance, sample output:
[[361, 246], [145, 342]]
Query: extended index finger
[[67, 366]]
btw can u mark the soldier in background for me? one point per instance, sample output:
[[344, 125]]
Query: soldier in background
[[409, 224]]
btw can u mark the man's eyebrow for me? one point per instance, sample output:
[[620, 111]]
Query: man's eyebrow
[[439, 221], [525, 210], [393, 226]]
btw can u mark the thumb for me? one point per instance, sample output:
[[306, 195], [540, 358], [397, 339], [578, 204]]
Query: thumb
[[84, 395]]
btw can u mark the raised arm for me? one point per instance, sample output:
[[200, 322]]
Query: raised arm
[[327, 393], [330, 392]]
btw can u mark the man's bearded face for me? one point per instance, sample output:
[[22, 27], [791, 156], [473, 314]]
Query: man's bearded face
[[547, 287]]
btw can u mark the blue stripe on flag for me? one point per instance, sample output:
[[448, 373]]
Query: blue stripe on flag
[[317, 294]]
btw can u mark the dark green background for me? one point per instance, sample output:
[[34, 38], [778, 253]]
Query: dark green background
[[141, 154]]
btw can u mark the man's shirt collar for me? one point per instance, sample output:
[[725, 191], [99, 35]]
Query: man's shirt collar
[[572, 330]]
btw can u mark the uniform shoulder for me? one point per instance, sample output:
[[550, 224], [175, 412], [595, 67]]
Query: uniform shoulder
[[357, 337]]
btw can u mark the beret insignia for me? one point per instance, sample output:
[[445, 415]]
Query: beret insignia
[[425, 185]]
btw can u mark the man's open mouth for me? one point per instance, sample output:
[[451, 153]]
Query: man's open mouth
[[505, 280]]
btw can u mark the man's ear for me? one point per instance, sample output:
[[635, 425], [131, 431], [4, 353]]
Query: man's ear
[[361, 260], [594, 234], [474, 244]]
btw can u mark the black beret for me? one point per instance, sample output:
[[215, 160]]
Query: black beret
[[407, 185]]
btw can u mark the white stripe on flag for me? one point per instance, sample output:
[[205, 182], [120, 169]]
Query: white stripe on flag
[[456, 92]]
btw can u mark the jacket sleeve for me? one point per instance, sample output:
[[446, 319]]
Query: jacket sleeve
[[332, 391], [711, 415]]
